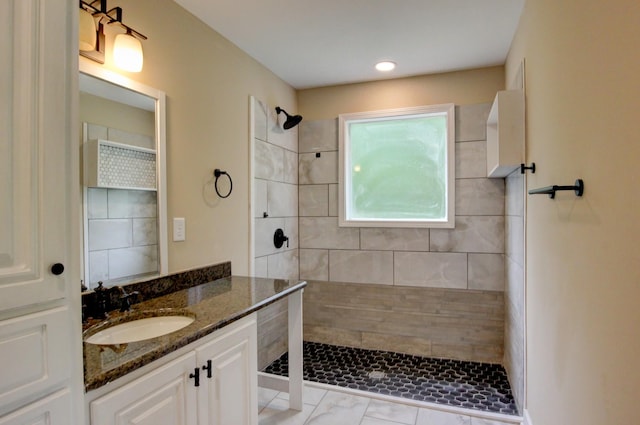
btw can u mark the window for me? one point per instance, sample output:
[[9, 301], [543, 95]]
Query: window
[[397, 168]]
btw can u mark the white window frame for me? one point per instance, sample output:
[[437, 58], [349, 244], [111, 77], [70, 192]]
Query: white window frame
[[344, 172]]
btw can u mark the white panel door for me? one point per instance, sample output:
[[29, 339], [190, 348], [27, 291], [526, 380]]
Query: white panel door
[[35, 89], [52, 410], [165, 396], [229, 373]]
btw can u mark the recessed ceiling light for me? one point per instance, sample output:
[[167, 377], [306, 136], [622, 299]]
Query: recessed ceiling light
[[385, 66]]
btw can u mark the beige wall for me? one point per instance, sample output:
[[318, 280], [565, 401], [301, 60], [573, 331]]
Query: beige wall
[[583, 256], [461, 88], [97, 110], [208, 81]]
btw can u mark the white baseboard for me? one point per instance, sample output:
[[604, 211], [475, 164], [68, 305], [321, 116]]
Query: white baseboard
[[527, 418]]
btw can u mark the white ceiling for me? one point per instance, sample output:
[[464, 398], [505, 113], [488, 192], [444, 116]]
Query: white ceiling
[[313, 43]]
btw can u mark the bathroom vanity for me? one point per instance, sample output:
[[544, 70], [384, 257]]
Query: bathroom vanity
[[204, 373]]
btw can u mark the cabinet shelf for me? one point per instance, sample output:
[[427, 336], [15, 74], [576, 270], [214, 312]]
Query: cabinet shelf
[[120, 166], [505, 133]]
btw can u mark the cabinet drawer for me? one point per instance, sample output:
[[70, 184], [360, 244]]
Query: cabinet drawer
[[35, 354]]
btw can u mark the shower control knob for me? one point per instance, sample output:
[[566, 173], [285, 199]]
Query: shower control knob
[[57, 269], [279, 239]]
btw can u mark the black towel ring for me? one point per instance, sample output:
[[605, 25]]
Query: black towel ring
[[217, 173]]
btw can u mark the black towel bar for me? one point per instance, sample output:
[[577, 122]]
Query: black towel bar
[[578, 188]]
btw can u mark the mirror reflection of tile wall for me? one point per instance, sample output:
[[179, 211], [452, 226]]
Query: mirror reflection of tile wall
[[121, 224]]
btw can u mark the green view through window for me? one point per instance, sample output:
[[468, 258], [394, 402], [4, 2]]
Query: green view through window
[[396, 168]]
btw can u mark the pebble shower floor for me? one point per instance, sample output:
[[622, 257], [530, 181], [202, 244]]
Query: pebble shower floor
[[472, 385]]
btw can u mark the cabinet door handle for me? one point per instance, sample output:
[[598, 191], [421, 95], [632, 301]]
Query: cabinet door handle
[[207, 367], [196, 376]]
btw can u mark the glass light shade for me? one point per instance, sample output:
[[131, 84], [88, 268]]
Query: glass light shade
[[127, 53], [86, 31]]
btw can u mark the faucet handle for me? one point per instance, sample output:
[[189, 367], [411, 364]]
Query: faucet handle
[[125, 301]]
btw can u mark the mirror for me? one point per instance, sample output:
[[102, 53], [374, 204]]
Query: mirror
[[123, 182]]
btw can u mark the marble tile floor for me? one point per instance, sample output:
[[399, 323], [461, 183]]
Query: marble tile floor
[[454, 383], [323, 406]]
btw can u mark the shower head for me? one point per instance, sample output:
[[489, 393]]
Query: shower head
[[292, 120]]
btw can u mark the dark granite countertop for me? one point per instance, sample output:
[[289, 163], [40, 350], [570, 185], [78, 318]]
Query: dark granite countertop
[[213, 305]]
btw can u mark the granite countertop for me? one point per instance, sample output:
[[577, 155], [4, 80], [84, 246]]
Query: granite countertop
[[213, 305]]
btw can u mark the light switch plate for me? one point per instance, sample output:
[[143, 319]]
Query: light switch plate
[[179, 229]]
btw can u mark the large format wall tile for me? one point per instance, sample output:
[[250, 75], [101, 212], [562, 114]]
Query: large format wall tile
[[514, 239], [471, 122], [514, 194], [486, 272], [282, 199], [314, 264], [319, 135], [290, 167], [361, 266], [97, 206], [260, 205], [460, 323], [109, 234], [394, 239], [431, 269], [259, 120], [471, 160], [479, 197], [269, 161], [318, 170], [132, 261], [263, 234], [132, 203], [324, 233], [471, 234], [333, 200], [314, 200], [145, 231], [278, 136], [283, 265]]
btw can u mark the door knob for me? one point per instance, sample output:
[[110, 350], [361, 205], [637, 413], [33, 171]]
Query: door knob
[[57, 269]]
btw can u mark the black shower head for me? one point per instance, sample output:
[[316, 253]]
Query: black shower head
[[292, 120]]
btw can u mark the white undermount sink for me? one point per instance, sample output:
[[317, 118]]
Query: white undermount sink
[[138, 330]]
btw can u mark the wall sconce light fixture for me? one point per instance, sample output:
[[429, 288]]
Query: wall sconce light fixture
[[127, 49]]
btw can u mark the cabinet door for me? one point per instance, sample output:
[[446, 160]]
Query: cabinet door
[[34, 352], [52, 410], [231, 396], [165, 396], [35, 154]]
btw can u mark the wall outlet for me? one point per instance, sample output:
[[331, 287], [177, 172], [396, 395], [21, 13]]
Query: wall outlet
[[179, 229]]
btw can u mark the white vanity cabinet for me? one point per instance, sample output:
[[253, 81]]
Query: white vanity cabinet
[[41, 369], [226, 368]]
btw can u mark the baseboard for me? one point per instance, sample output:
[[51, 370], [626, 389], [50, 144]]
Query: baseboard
[[527, 418]]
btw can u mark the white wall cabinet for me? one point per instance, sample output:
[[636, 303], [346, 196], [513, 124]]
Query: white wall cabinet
[[226, 365], [41, 371], [505, 133]]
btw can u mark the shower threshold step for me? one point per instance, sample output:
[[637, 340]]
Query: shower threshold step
[[471, 385]]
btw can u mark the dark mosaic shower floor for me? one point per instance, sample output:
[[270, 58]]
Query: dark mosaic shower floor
[[479, 386]]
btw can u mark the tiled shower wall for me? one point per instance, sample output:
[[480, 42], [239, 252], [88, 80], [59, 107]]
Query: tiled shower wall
[[275, 201], [514, 286], [121, 224], [457, 273]]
